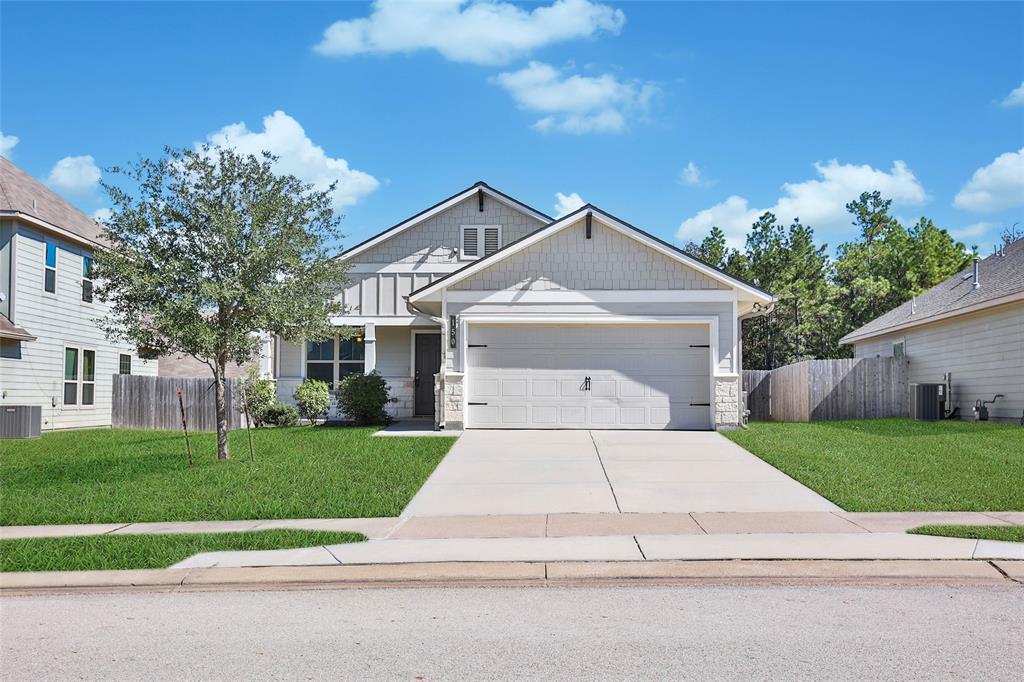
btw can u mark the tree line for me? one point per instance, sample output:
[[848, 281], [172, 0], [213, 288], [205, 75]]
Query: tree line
[[821, 298]]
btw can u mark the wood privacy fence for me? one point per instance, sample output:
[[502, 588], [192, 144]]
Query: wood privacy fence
[[142, 402], [821, 390]]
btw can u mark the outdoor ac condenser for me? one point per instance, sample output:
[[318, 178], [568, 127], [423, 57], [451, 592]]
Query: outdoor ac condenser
[[20, 421]]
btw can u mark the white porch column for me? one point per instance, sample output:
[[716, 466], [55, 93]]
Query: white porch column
[[302, 359], [369, 347]]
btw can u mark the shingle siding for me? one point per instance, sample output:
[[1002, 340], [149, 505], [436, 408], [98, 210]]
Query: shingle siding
[[568, 261], [984, 351]]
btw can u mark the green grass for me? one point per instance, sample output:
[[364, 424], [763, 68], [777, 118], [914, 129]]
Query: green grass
[[1006, 533], [112, 552], [898, 464], [120, 476]]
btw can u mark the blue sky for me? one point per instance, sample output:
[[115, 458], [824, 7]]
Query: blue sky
[[673, 116]]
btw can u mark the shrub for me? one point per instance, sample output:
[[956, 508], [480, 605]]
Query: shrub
[[281, 414], [362, 397], [313, 399], [258, 395]]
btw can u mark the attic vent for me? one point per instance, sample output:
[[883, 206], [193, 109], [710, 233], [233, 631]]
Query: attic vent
[[480, 240]]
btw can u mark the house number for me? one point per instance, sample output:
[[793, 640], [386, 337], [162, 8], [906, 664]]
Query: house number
[[451, 331]]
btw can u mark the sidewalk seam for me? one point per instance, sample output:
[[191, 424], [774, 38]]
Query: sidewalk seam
[[836, 514], [639, 548], [702, 529], [600, 461], [114, 530], [1006, 575]]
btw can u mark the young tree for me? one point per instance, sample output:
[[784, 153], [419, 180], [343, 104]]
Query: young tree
[[209, 247]]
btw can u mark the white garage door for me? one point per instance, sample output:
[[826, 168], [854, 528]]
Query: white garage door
[[588, 377]]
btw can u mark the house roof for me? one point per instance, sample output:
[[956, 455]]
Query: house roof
[[609, 220], [1001, 278], [9, 330], [23, 196], [428, 213]]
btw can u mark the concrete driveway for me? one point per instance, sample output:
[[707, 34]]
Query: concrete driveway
[[550, 472]]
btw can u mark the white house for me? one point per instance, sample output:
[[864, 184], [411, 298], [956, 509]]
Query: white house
[[970, 326], [483, 312], [51, 352]]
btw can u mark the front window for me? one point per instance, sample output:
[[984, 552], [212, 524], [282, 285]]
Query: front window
[[87, 279], [88, 377], [324, 364], [351, 356], [70, 376], [50, 271]]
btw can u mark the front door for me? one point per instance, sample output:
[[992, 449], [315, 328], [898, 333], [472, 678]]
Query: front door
[[428, 363]]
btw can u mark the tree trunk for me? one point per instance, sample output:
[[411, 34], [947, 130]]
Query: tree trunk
[[222, 413]]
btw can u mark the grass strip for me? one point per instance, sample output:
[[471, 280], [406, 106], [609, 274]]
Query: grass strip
[[115, 552], [1004, 533]]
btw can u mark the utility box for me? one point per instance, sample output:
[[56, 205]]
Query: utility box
[[928, 401], [20, 421]]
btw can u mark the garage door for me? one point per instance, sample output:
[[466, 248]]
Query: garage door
[[588, 377]]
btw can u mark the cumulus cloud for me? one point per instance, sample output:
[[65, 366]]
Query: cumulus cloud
[[820, 203], [74, 175], [693, 176], [7, 144], [491, 32], [1015, 98], [577, 104], [997, 186], [101, 214], [567, 203], [297, 155]]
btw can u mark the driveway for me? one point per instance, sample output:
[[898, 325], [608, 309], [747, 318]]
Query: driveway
[[550, 472]]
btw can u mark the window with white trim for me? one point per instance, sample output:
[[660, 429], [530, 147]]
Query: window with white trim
[[79, 376], [899, 349], [324, 364], [478, 241], [87, 279], [124, 364], [50, 268]]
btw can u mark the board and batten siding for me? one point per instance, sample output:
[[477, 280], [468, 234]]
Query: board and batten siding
[[984, 351], [58, 321]]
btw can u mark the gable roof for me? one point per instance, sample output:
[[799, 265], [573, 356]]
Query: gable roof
[[428, 213], [23, 196], [1001, 279], [609, 220]]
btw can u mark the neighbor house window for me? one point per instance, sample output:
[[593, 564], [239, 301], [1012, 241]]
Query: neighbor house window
[[899, 350], [124, 364], [87, 279], [479, 241], [79, 376], [50, 271], [324, 365]]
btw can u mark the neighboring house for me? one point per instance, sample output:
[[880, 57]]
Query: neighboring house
[[51, 352], [971, 325], [482, 312]]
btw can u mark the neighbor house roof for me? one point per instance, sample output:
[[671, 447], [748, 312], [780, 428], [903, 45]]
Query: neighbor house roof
[[428, 213], [1000, 281], [611, 221], [22, 196], [9, 330]]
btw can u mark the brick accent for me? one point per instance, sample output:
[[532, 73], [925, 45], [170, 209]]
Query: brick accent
[[727, 403]]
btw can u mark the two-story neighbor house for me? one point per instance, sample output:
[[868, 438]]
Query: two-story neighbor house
[[51, 352], [482, 312]]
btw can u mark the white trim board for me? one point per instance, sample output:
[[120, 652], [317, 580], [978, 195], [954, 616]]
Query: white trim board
[[606, 220], [596, 296]]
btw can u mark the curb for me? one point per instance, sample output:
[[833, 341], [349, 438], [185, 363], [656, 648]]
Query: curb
[[522, 574]]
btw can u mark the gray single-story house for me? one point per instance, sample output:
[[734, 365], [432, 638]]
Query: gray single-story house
[[971, 325], [482, 312]]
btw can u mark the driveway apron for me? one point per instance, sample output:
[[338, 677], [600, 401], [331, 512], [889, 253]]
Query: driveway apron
[[550, 472]]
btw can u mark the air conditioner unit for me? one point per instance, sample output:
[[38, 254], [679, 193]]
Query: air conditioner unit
[[20, 421], [928, 401]]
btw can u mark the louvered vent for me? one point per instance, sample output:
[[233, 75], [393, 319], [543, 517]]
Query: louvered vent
[[492, 240], [470, 243]]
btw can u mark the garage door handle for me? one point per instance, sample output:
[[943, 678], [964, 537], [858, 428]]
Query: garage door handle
[[700, 345], [700, 404], [477, 403], [477, 345]]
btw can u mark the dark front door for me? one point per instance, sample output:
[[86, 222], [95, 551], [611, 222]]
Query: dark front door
[[428, 363]]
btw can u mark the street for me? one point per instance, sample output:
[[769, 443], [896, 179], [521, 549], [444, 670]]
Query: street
[[696, 632]]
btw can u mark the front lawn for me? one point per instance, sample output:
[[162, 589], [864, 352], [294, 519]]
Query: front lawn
[[898, 464], [114, 552], [121, 476], [1005, 533]]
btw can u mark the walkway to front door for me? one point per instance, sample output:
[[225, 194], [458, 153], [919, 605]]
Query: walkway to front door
[[548, 472]]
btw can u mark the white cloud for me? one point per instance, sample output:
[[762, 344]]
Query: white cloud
[[484, 32], [1015, 98], [567, 203], [972, 231], [693, 176], [577, 104], [996, 186], [101, 214], [7, 144], [284, 137], [74, 174], [820, 203]]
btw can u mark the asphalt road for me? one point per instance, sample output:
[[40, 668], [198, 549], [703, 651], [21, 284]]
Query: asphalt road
[[815, 632]]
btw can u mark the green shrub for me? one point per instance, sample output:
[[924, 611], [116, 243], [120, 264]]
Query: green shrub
[[313, 399], [281, 414], [258, 395], [362, 397]]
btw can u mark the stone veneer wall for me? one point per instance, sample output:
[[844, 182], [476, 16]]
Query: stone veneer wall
[[727, 403], [452, 401], [403, 393]]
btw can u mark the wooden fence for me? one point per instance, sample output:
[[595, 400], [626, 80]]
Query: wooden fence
[[821, 390], [142, 402]]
